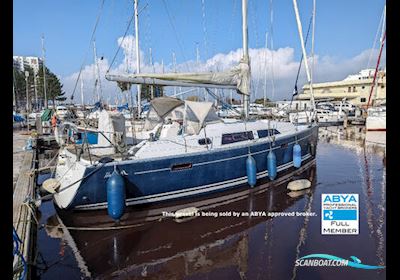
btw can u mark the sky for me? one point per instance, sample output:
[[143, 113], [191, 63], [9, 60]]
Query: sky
[[345, 32]]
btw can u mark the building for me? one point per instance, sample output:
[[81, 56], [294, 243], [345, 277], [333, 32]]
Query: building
[[355, 88], [21, 61]]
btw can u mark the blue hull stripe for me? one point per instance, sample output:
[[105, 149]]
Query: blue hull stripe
[[187, 192], [224, 159]]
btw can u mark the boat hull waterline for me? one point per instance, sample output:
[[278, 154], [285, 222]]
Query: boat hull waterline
[[156, 180]]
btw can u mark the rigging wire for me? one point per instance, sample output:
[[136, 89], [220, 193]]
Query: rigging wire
[[272, 48], [90, 45], [214, 31], [176, 34], [233, 16], [253, 16], [265, 68], [254, 21], [148, 36], [119, 47], [203, 9], [301, 62], [381, 23]]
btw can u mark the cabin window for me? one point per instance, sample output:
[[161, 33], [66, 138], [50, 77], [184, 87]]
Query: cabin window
[[349, 89], [363, 99], [205, 141], [354, 89], [267, 132], [363, 87], [382, 86], [229, 138]]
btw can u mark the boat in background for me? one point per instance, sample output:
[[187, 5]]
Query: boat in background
[[376, 119], [326, 115]]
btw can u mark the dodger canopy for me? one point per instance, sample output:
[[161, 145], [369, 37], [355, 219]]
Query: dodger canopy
[[193, 114]]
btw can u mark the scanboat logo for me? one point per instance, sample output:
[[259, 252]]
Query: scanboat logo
[[330, 260]]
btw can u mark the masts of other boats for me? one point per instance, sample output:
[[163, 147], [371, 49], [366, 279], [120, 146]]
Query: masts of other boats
[[191, 152], [376, 117]]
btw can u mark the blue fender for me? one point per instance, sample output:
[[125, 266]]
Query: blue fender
[[116, 196], [251, 169], [297, 155], [271, 165]]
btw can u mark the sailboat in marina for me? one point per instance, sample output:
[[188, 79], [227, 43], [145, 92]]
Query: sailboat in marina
[[189, 151]]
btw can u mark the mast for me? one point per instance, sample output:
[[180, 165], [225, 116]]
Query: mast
[[14, 100], [300, 28], [376, 68], [35, 88], [174, 66], [246, 97], [151, 63], [312, 55], [27, 93], [382, 41], [198, 63], [44, 75], [96, 71], [82, 92], [139, 110], [265, 69]]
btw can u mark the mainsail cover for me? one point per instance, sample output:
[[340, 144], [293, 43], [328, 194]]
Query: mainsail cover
[[237, 77]]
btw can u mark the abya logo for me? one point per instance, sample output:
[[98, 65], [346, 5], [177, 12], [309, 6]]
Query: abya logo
[[330, 260]]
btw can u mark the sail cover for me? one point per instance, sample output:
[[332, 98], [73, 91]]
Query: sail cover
[[237, 77]]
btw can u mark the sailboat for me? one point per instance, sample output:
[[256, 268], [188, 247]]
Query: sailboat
[[376, 115], [189, 153]]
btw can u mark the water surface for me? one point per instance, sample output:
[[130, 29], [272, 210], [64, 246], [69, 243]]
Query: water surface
[[240, 248]]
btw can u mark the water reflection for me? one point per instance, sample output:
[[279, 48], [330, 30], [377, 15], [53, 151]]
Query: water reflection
[[247, 247], [367, 145], [170, 250], [355, 138]]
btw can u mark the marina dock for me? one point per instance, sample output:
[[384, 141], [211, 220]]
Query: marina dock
[[24, 214]]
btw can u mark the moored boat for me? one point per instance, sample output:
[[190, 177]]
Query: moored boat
[[189, 151]]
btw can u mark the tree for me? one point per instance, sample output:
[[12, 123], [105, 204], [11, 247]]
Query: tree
[[261, 101], [20, 85], [146, 93], [53, 86]]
